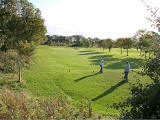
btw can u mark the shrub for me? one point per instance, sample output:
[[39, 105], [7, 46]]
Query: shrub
[[25, 48], [23, 106], [144, 102], [8, 61]]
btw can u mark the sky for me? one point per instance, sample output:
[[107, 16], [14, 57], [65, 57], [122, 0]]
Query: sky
[[95, 18]]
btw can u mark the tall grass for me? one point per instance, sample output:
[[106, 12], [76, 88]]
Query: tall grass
[[24, 106]]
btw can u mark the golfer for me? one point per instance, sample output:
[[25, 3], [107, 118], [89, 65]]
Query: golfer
[[127, 69], [101, 65]]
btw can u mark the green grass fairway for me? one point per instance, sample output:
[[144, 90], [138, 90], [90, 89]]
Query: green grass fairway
[[70, 71]]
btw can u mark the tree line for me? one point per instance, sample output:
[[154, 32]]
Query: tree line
[[142, 41]]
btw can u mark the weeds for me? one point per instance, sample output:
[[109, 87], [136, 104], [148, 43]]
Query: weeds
[[23, 106]]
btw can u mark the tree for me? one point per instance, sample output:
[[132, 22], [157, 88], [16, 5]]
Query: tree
[[91, 41], [99, 43], [96, 42], [20, 22], [109, 44], [119, 43], [155, 42], [21, 28], [127, 43], [78, 40], [68, 41], [104, 44], [145, 42], [136, 39]]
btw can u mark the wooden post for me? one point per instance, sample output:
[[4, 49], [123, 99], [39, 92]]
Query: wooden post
[[121, 50], [19, 71], [90, 110]]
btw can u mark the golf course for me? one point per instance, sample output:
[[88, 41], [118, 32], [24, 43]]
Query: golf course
[[79, 60], [74, 72]]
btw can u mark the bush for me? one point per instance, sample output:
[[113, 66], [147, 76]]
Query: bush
[[23, 106], [152, 68], [25, 48], [8, 62], [144, 102]]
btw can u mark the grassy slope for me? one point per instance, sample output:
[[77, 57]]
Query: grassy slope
[[50, 74]]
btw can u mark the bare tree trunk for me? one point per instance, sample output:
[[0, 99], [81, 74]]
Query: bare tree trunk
[[19, 71]]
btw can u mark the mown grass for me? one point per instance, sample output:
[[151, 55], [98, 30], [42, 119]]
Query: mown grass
[[75, 72]]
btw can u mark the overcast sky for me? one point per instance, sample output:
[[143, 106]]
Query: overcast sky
[[95, 18]]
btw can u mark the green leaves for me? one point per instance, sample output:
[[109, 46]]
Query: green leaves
[[127, 43], [107, 43], [20, 21]]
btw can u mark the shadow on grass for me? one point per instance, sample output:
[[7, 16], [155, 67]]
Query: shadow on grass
[[116, 63], [135, 63], [91, 53], [77, 80], [95, 60], [109, 90], [86, 51]]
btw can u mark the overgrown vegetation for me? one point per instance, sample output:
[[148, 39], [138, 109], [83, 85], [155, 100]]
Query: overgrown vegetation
[[144, 102], [23, 106]]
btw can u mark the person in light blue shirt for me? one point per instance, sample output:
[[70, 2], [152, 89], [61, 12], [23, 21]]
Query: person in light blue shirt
[[101, 65], [127, 69]]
